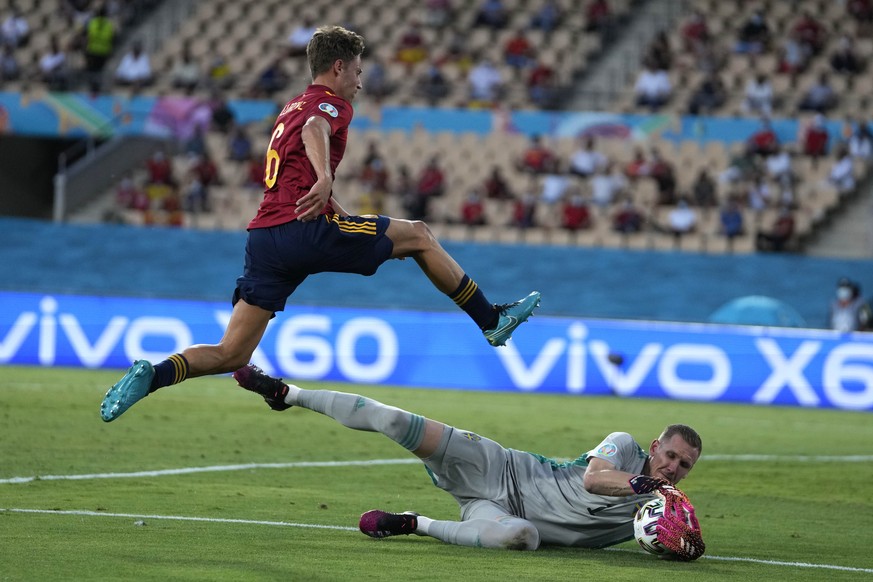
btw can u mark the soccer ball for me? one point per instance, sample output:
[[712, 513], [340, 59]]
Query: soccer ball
[[645, 527]]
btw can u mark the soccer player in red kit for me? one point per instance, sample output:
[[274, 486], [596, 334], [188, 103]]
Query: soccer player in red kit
[[301, 229]]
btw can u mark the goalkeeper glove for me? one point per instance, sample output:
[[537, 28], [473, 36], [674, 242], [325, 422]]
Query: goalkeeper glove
[[679, 531]]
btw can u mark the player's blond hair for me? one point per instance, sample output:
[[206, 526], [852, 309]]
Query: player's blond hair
[[329, 44]]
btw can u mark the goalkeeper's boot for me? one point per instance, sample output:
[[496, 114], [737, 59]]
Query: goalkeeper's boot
[[272, 389], [132, 388], [382, 524], [511, 316]]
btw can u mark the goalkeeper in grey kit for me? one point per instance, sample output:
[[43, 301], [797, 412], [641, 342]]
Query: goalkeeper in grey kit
[[512, 499]]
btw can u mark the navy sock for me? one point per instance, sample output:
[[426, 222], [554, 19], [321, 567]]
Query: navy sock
[[470, 298], [171, 371]]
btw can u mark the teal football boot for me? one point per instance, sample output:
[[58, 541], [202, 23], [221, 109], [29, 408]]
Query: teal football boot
[[132, 388], [511, 316]]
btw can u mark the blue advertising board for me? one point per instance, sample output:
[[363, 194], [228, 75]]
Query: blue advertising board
[[794, 367]]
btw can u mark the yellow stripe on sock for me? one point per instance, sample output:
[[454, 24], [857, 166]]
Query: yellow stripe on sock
[[467, 293]]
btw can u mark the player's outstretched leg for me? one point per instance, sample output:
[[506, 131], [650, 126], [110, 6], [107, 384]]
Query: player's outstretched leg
[[511, 316], [132, 388], [382, 524]]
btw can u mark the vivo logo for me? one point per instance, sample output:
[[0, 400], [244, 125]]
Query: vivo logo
[[846, 378]]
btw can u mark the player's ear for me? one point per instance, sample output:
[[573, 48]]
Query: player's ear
[[338, 66], [654, 446]]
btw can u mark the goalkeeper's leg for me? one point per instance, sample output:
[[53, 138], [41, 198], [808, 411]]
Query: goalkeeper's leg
[[485, 525]]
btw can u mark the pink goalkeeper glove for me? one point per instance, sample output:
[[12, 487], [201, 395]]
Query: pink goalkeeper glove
[[679, 530]]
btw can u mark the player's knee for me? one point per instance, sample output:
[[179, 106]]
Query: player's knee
[[424, 236], [522, 536], [515, 534]]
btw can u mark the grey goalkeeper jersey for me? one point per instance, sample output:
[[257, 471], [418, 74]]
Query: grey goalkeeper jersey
[[551, 496]]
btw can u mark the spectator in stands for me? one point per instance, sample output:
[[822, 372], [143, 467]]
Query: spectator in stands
[[159, 169], [473, 209], [639, 165], [537, 158], [129, 196], [299, 37], [433, 85], [204, 170], [742, 166], [660, 52], [548, 16], [404, 187], [492, 14], [485, 84], [815, 138], [437, 13], [607, 184], [731, 220], [554, 183], [810, 32], [598, 16], [862, 12], [842, 173], [794, 56], [860, 142], [272, 79], [754, 35], [374, 175], [135, 69], [575, 213], [845, 60], [10, 69], [431, 181], [376, 83], [627, 219], [15, 30], [779, 234], [457, 53], [758, 96], [53, 66], [708, 97], [704, 189], [525, 208], [542, 85], [239, 145], [496, 187], [223, 117], [764, 141], [518, 52], [411, 48], [185, 74], [694, 32], [820, 97], [653, 87], [662, 171], [586, 160], [849, 311], [218, 74], [681, 220], [758, 195], [779, 170], [99, 43]]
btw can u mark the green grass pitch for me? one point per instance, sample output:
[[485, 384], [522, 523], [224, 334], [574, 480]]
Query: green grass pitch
[[783, 516]]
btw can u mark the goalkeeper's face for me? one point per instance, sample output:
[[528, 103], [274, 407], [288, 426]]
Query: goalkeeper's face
[[672, 458]]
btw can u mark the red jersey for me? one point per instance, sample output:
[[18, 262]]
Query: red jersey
[[288, 173]]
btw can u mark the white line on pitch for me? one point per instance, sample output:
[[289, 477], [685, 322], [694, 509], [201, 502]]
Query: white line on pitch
[[344, 528], [407, 461], [210, 469]]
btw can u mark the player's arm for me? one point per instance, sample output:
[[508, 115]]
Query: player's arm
[[602, 478], [316, 141]]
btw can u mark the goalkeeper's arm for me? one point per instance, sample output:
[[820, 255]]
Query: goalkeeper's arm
[[602, 478]]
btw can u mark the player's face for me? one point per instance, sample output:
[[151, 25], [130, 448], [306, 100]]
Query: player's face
[[349, 79], [671, 459]]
